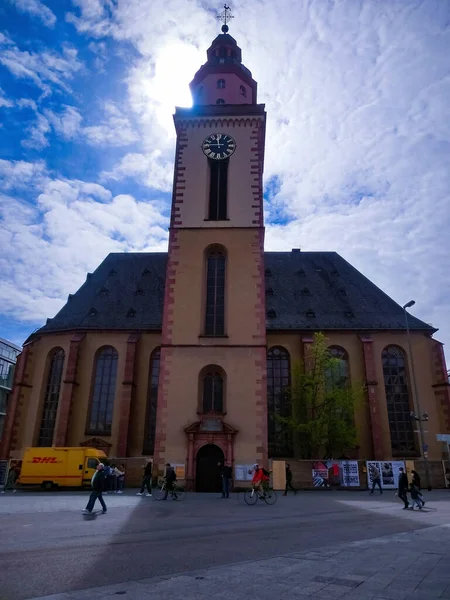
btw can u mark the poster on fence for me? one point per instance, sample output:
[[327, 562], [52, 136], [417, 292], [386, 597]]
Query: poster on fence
[[389, 471], [350, 473], [335, 472], [243, 472]]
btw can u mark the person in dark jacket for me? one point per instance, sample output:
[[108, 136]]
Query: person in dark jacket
[[376, 479], [226, 473], [98, 483], [289, 485], [171, 477], [403, 487], [147, 480], [415, 489]]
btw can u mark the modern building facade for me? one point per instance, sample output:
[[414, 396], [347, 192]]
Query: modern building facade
[[186, 356], [8, 357]]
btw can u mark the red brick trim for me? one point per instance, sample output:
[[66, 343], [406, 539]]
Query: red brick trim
[[373, 399], [126, 397], [10, 429], [67, 392]]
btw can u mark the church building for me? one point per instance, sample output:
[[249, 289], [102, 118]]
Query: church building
[[185, 356]]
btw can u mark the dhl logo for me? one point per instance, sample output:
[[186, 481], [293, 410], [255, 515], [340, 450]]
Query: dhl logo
[[44, 459]]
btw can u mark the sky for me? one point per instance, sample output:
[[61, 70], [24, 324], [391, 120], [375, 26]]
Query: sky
[[357, 149]]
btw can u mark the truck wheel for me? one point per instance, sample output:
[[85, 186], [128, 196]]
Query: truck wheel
[[47, 485]]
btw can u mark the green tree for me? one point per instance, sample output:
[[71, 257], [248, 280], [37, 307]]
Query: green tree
[[323, 403]]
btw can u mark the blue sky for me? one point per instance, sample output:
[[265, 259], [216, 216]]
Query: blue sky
[[358, 139]]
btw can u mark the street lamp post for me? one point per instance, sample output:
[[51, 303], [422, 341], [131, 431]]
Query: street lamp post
[[417, 417]]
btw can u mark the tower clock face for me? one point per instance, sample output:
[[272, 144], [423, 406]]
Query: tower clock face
[[218, 146]]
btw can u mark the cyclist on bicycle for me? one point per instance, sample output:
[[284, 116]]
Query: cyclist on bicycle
[[260, 480], [170, 478]]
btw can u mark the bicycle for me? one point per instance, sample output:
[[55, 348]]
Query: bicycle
[[161, 491], [268, 495]]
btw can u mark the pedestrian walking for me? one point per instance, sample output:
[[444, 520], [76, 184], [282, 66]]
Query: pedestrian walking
[[11, 480], [226, 474], [289, 481], [415, 483], [120, 472], [146, 480], [403, 487], [376, 479], [97, 484]]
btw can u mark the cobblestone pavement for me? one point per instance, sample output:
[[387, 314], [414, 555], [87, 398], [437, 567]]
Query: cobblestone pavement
[[346, 546]]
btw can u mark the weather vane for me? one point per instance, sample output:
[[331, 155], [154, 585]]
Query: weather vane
[[225, 17]]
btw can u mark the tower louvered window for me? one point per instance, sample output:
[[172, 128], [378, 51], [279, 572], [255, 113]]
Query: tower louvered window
[[218, 189]]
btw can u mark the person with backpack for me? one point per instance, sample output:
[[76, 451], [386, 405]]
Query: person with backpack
[[97, 484]]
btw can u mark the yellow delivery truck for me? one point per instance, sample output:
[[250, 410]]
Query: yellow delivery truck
[[64, 467]]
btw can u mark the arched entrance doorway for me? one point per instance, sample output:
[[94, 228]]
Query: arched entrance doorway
[[208, 473]]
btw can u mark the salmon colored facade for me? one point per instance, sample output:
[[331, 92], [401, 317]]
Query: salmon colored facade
[[190, 386]]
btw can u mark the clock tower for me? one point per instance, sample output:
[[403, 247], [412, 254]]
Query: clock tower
[[212, 392]]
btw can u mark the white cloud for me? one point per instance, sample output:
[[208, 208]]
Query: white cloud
[[19, 174], [45, 69], [150, 169], [115, 130], [67, 123], [38, 9], [48, 247], [4, 101]]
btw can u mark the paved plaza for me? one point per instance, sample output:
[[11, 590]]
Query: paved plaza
[[314, 545]]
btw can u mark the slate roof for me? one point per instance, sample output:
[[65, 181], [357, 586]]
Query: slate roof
[[304, 291]]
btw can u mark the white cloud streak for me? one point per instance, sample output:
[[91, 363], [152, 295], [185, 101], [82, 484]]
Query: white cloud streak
[[36, 8]]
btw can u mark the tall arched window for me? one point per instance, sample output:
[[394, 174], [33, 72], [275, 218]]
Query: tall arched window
[[51, 398], [221, 84], [215, 292], [212, 382], [403, 442], [103, 391], [278, 382], [152, 402], [339, 375]]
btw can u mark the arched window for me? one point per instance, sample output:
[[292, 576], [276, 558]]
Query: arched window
[[220, 101], [339, 375], [152, 402], [215, 292], [243, 91], [103, 391], [51, 398], [221, 84], [278, 382], [403, 442], [212, 382]]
